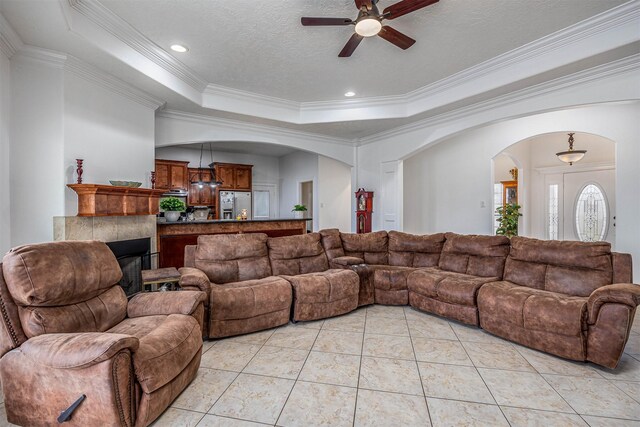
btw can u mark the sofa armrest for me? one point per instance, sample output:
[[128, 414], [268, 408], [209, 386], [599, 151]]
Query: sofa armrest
[[619, 293], [79, 350], [165, 303], [347, 260], [191, 277]]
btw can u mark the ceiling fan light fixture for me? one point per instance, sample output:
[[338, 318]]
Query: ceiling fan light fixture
[[368, 26], [350, 94]]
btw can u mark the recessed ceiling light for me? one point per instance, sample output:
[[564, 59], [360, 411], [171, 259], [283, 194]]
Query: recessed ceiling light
[[349, 94], [179, 48]]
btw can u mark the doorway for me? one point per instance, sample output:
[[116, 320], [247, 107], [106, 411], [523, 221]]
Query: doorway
[[306, 198]]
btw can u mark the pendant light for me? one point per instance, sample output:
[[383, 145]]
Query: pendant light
[[197, 177], [570, 156]]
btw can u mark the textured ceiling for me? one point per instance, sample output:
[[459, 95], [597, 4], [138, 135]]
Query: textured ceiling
[[261, 47], [223, 52]]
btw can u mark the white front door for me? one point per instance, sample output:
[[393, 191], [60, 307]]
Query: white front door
[[389, 195], [589, 206]]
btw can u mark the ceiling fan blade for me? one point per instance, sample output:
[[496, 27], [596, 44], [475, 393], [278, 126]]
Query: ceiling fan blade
[[351, 45], [396, 37], [405, 6], [360, 3], [326, 21]]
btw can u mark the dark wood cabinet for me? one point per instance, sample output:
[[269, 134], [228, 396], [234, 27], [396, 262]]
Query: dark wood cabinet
[[172, 175], [234, 176], [201, 196]]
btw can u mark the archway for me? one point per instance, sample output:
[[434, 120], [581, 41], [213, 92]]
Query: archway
[[561, 201]]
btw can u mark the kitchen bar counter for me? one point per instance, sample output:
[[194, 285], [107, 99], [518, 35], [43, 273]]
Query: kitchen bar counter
[[172, 237]]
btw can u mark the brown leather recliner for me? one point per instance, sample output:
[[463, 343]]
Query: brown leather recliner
[[243, 294], [572, 299], [67, 329]]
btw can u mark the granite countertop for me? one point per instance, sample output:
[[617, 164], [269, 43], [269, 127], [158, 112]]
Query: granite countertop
[[227, 221]]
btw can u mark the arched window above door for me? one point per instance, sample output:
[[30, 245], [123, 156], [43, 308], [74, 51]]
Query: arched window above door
[[591, 214]]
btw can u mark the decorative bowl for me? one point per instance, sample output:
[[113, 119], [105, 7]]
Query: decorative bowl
[[130, 184]]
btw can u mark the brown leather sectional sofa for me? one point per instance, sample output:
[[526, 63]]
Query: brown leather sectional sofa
[[571, 299], [67, 329]]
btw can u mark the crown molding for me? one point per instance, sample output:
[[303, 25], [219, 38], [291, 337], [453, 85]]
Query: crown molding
[[625, 65], [88, 72], [10, 42], [116, 26], [111, 83], [606, 31], [246, 126]]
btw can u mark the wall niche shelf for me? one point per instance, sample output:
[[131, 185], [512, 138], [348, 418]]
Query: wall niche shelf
[[108, 200]]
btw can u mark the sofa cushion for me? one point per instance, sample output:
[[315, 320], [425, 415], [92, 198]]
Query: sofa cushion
[[446, 286], [226, 258], [474, 255], [371, 247], [94, 315], [166, 351], [332, 243], [59, 273], [297, 254], [567, 267], [410, 250], [249, 298], [326, 286], [534, 309], [391, 278]]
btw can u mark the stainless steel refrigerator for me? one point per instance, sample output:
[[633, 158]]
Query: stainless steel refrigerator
[[232, 203]]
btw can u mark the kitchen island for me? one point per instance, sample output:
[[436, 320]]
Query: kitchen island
[[172, 237]]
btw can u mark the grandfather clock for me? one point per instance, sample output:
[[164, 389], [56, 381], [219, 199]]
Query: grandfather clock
[[364, 210]]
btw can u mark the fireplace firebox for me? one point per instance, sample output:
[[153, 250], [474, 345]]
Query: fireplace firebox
[[133, 256]]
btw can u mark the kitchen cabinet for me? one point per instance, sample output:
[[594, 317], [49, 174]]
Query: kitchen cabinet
[[201, 196], [234, 176], [172, 175]]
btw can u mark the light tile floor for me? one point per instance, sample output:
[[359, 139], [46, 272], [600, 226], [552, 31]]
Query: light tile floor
[[394, 366]]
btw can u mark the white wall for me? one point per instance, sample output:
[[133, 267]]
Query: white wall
[[335, 194], [5, 188], [449, 180], [266, 169], [37, 149], [295, 168], [114, 135]]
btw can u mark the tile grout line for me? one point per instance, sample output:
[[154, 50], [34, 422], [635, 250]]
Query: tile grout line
[[355, 409], [295, 382], [424, 394], [482, 378]]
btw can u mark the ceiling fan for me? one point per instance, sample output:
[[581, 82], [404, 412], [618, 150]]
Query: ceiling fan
[[369, 23]]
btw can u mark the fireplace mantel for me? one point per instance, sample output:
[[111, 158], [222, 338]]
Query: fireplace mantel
[[108, 200]]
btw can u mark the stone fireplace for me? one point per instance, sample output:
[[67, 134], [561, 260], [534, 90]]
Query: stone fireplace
[[105, 228]]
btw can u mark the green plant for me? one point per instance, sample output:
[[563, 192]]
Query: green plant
[[299, 208], [172, 204], [508, 219]]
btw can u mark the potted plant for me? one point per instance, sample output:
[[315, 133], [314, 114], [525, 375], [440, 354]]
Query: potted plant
[[299, 210], [172, 206], [508, 219]]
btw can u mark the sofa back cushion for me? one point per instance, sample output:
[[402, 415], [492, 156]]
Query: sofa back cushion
[[59, 273], [371, 247], [293, 255], [69, 286], [567, 267], [482, 256], [410, 250], [332, 243], [11, 332], [226, 258]]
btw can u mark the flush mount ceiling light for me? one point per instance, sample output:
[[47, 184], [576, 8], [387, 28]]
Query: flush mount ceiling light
[[179, 48], [571, 156], [349, 94]]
